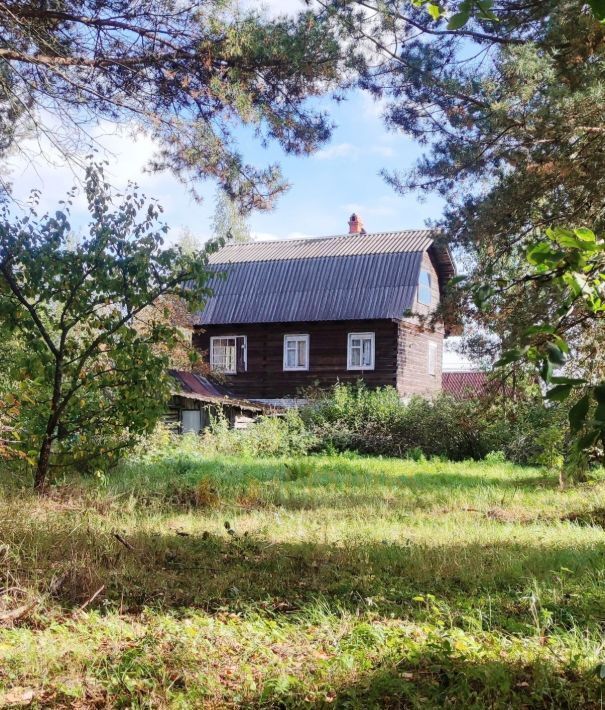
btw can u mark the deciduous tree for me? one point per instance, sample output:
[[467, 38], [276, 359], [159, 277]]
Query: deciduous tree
[[90, 380]]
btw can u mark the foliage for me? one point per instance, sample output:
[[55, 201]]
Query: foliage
[[87, 379], [373, 583], [509, 101], [228, 223], [190, 75], [570, 266], [298, 469], [377, 422]]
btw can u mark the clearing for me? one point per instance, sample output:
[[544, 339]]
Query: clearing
[[365, 582]]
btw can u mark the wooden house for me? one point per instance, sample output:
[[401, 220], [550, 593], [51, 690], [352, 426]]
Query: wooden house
[[292, 314]]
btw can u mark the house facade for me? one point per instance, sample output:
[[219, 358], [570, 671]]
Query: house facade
[[293, 314]]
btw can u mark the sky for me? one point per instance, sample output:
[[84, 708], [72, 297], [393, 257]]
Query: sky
[[325, 188]]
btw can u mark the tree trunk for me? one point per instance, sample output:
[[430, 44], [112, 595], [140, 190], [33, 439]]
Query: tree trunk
[[43, 464], [52, 423]]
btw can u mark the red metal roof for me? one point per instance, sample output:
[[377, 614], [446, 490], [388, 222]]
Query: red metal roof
[[462, 385]]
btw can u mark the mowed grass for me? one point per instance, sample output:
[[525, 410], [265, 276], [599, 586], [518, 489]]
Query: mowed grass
[[185, 581]]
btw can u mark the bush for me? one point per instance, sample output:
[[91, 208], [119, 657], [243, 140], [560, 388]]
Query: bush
[[269, 436], [352, 417]]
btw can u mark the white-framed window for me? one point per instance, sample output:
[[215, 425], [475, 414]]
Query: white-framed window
[[424, 288], [296, 352], [360, 351], [432, 359], [228, 354]]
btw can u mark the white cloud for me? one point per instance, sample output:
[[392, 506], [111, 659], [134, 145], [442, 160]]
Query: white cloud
[[340, 150], [372, 108], [127, 154], [353, 152], [452, 360]]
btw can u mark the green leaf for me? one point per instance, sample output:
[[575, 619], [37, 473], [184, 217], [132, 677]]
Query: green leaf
[[589, 439], [433, 10], [509, 356], [568, 381], [598, 8], [458, 20], [485, 9], [543, 253], [555, 354], [536, 329], [456, 280], [577, 414], [599, 393], [586, 235], [559, 393], [546, 370], [599, 414]]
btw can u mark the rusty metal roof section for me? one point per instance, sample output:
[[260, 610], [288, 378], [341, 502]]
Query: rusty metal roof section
[[466, 384], [351, 277], [200, 388]]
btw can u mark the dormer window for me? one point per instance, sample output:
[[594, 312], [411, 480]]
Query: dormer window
[[424, 288]]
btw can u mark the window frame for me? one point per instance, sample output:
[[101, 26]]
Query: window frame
[[296, 337], [422, 287], [214, 338], [361, 336], [432, 359]]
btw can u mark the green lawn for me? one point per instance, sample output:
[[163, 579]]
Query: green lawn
[[369, 583]]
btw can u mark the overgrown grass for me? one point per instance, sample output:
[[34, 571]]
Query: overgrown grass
[[352, 582]]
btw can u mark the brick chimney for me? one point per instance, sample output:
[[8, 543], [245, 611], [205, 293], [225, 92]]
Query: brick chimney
[[356, 225]]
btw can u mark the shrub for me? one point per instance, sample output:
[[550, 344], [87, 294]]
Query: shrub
[[351, 417], [269, 436], [495, 457]]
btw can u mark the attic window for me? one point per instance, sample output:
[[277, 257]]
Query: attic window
[[424, 288], [360, 351], [296, 352], [228, 354]]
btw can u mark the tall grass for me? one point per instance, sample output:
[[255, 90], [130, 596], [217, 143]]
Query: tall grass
[[341, 581]]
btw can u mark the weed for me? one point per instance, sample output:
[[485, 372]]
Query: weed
[[298, 470]]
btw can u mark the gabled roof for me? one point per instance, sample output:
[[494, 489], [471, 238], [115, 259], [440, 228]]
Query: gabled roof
[[344, 277]]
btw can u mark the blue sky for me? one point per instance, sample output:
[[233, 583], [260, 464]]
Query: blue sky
[[326, 187]]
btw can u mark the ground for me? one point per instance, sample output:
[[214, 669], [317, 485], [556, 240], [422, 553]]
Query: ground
[[192, 582]]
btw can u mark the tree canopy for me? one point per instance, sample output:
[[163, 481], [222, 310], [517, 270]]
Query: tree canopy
[[191, 74]]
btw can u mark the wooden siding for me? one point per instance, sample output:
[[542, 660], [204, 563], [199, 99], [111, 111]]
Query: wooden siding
[[265, 377], [413, 360], [413, 344]]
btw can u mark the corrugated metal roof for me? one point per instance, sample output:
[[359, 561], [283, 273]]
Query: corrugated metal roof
[[344, 277], [344, 288], [200, 388], [317, 247], [473, 383]]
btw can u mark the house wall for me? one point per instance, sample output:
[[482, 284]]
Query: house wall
[[413, 360], [265, 377], [414, 336]]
